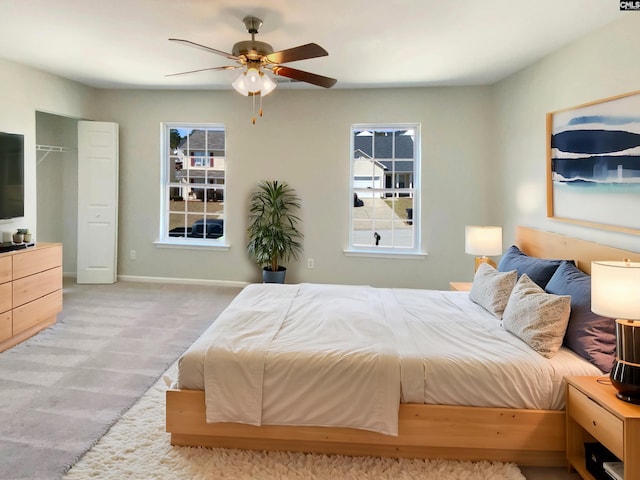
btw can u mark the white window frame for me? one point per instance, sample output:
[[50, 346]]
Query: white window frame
[[415, 250], [164, 240]]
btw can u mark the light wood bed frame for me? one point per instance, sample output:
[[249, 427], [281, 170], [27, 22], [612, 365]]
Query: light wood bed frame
[[526, 437]]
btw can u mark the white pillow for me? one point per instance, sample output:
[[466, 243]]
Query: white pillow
[[537, 317], [491, 289]]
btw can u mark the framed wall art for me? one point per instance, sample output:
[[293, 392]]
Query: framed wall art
[[593, 164]]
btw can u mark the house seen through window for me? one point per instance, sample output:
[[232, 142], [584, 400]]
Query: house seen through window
[[193, 183], [385, 188]]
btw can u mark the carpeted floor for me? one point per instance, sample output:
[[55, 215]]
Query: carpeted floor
[[64, 388], [137, 447]]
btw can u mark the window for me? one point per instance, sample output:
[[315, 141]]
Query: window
[[193, 184], [385, 188]]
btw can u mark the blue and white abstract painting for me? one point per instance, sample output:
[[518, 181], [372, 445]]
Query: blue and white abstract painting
[[595, 163]]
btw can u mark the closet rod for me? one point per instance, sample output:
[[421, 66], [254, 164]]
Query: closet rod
[[48, 149]]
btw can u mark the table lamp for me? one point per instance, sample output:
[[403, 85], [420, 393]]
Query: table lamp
[[615, 293], [483, 241]]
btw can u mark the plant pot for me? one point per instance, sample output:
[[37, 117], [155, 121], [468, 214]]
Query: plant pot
[[269, 276], [26, 237], [18, 238]]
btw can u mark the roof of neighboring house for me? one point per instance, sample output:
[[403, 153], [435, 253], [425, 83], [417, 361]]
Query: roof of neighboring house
[[198, 141], [381, 145], [363, 157]]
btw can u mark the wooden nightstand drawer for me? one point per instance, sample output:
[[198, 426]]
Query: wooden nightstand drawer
[[596, 420]]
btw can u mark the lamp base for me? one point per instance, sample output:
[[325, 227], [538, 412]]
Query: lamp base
[[481, 260], [629, 399], [625, 374], [625, 378]]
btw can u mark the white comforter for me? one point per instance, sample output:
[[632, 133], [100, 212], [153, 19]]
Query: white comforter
[[336, 355], [279, 359]]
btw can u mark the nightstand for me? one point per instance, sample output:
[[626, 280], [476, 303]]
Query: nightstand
[[460, 286], [595, 414]]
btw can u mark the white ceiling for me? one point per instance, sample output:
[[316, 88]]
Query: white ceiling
[[124, 43]]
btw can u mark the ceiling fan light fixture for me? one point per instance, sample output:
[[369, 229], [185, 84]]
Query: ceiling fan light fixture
[[240, 84], [253, 82], [268, 85], [256, 57]]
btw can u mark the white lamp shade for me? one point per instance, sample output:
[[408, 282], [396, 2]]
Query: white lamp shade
[[481, 240], [615, 289]]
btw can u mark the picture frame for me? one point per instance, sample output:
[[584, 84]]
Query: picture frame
[[593, 164]]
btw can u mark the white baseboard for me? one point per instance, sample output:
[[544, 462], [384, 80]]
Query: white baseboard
[[187, 281]]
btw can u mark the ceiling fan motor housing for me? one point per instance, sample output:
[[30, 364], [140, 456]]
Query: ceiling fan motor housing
[[251, 49]]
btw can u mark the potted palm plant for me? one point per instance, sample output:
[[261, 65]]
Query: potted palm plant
[[273, 228]]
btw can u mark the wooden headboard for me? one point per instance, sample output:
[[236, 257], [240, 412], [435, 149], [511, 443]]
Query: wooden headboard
[[541, 244]]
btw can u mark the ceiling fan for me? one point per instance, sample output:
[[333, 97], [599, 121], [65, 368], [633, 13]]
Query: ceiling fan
[[255, 57]]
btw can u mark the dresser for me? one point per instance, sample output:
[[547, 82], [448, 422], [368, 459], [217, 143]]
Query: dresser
[[30, 292]]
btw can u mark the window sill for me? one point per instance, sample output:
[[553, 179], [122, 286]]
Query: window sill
[[192, 244], [385, 254]]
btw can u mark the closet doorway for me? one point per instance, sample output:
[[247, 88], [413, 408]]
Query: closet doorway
[[57, 185], [58, 196]]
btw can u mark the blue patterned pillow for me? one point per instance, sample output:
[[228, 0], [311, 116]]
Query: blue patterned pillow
[[537, 269], [589, 335]]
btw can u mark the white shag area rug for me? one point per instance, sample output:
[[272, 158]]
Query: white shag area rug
[[137, 447]]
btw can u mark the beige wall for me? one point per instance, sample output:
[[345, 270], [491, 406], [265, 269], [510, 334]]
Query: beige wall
[[304, 140], [483, 151], [601, 65], [23, 91]]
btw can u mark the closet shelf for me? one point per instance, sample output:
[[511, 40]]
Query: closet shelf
[[48, 149]]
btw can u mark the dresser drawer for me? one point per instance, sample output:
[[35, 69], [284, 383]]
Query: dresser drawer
[[36, 312], [5, 297], [5, 269], [30, 261], [599, 422], [35, 286], [6, 330]]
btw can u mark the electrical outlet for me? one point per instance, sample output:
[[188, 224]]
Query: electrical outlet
[[132, 254], [310, 263]]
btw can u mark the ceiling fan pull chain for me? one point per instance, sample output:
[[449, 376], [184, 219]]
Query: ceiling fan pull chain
[[260, 111], [253, 110]]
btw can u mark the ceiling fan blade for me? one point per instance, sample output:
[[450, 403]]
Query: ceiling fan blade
[[310, 50], [228, 67], [307, 77], [203, 47]]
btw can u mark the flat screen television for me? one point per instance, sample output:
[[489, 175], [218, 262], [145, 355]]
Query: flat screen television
[[11, 175]]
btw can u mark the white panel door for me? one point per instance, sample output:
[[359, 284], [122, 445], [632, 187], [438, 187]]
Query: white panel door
[[97, 202]]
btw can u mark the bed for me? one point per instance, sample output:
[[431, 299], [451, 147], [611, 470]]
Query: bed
[[507, 423]]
